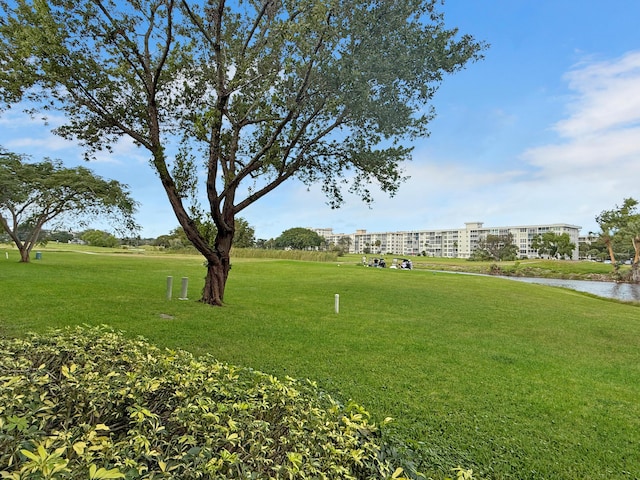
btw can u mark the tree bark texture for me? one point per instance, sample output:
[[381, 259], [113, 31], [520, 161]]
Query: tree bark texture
[[218, 267], [635, 271]]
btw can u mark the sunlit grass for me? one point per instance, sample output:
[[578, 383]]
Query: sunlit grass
[[514, 380]]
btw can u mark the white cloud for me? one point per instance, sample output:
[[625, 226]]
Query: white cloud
[[595, 155], [607, 96], [38, 147], [596, 161], [23, 133], [123, 152]]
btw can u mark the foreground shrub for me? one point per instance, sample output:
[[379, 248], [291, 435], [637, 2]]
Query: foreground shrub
[[87, 403]]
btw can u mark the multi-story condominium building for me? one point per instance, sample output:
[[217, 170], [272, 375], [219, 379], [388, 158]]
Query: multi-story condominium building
[[453, 243]]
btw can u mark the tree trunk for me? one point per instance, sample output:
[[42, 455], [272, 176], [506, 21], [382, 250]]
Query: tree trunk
[[25, 250], [218, 266], [635, 271], [23, 247], [214, 283], [609, 245]]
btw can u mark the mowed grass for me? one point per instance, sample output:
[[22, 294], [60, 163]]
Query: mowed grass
[[525, 267], [513, 380]]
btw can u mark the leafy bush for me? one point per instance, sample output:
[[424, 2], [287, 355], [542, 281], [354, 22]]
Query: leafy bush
[[89, 403]]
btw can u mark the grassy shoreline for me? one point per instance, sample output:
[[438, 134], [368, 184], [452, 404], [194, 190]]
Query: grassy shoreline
[[565, 269], [513, 380]]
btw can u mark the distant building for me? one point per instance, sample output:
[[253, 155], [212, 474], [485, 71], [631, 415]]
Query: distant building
[[451, 243]]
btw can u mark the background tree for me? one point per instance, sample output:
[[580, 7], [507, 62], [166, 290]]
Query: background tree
[[564, 246], [299, 239], [61, 236], [553, 245], [99, 238], [627, 238], [33, 194], [163, 241], [177, 238], [495, 247], [265, 244], [257, 92], [245, 236], [614, 225], [343, 244], [633, 231], [590, 248]]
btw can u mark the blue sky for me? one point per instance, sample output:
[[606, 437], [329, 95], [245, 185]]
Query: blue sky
[[546, 129]]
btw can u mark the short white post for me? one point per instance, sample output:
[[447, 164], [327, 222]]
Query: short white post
[[185, 286], [6, 255], [337, 303], [169, 287]]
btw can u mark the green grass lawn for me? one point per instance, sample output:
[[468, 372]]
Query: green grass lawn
[[513, 380]]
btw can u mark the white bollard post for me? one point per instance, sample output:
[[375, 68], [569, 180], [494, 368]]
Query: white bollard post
[[169, 287], [185, 286], [337, 302], [6, 255]]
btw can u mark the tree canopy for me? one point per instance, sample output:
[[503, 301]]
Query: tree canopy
[[177, 238], [622, 225], [99, 238], [553, 245], [495, 247], [33, 194], [613, 223], [299, 239], [237, 97]]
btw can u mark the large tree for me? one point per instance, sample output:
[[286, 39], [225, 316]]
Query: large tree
[[254, 91], [621, 226], [615, 224], [33, 194]]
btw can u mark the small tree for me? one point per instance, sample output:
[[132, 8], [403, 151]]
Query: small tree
[[553, 245], [266, 244], [564, 246], [99, 238], [495, 247], [245, 236], [299, 239], [33, 194], [344, 243]]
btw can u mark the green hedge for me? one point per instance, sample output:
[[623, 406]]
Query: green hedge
[[88, 403]]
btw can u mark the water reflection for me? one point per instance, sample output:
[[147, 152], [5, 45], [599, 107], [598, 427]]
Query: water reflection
[[620, 291]]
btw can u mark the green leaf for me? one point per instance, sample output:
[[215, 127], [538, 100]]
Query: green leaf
[[100, 473], [396, 474]]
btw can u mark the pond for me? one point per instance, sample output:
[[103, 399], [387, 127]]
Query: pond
[[620, 291], [627, 292]]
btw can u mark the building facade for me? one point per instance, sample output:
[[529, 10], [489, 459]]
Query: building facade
[[451, 243]]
